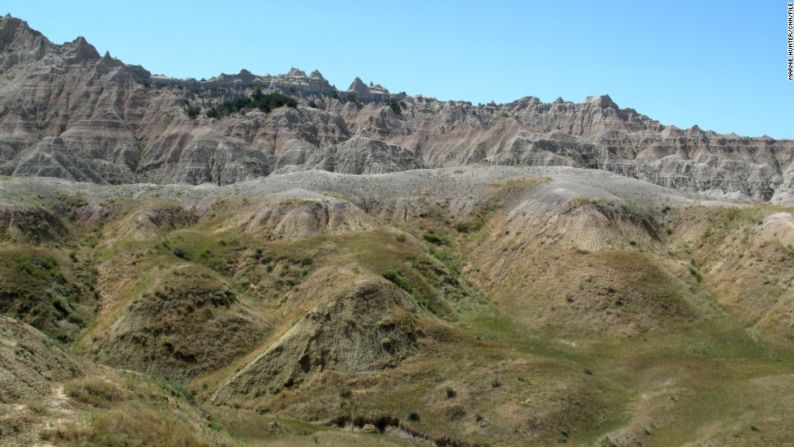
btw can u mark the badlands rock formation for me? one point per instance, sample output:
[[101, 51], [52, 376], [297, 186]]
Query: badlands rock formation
[[66, 111]]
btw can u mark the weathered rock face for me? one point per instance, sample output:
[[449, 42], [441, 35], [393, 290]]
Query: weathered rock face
[[300, 216], [67, 112], [371, 92], [361, 155]]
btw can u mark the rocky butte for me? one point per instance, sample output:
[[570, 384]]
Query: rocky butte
[[66, 111]]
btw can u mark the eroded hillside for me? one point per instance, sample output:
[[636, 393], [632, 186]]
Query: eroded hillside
[[68, 112], [464, 306]]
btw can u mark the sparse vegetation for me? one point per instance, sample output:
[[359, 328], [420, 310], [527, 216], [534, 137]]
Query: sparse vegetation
[[265, 102], [395, 107], [395, 277], [400, 281], [182, 254], [501, 322], [695, 273], [435, 239], [345, 392], [129, 426], [94, 392], [192, 111]]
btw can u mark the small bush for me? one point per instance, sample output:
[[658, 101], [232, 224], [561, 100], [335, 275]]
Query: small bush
[[450, 393], [435, 239], [94, 392], [192, 111], [693, 271], [400, 237], [495, 382], [60, 304], [395, 107], [398, 279], [36, 406], [258, 100], [413, 416], [467, 226], [345, 392], [182, 254], [212, 112]]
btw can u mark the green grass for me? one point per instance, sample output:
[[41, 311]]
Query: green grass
[[41, 286], [578, 385]]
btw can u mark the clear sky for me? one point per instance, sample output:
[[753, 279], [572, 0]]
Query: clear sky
[[718, 64]]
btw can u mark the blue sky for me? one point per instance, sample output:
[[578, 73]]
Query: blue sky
[[718, 64]]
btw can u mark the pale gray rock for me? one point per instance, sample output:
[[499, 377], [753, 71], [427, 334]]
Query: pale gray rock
[[361, 155], [66, 111]]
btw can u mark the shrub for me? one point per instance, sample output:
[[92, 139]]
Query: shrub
[[212, 112], [495, 382], [394, 105], [182, 254], [94, 392], [60, 304], [466, 226], [450, 393], [402, 282], [345, 392], [434, 238], [36, 406], [258, 100], [413, 416], [192, 111], [270, 101], [401, 237], [398, 279], [693, 271]]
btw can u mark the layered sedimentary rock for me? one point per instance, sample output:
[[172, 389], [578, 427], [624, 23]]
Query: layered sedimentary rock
[[66, 111]]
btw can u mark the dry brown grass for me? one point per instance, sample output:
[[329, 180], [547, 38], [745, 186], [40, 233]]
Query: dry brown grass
[[36, 406], [94, 391], [128, 426]]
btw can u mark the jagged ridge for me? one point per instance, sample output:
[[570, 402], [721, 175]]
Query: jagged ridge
[[66, 111]]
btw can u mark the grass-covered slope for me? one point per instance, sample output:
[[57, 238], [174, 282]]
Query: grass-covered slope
[[482, 306]]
